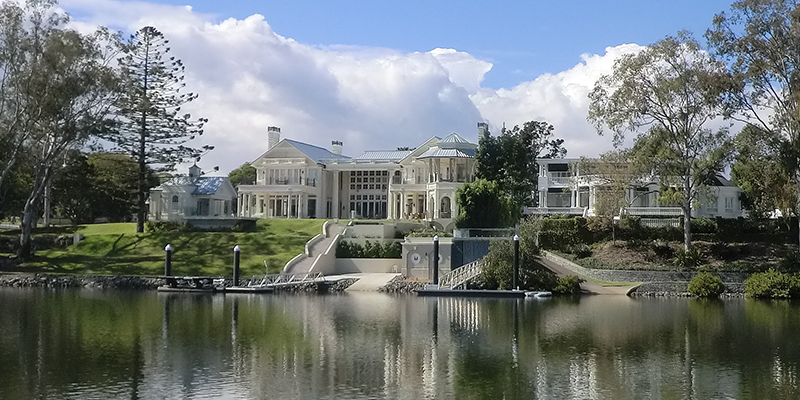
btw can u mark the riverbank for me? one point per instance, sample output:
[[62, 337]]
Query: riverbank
[[680, 289], [66, 281]]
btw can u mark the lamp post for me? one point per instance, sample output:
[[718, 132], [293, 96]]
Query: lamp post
[[168, 260], [236, 251], [435, 260], [515, 275]]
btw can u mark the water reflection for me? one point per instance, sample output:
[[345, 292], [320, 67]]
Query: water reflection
[[92, 344]]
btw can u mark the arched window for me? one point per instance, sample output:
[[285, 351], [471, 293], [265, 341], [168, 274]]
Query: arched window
[[174, 199], [444, 210]]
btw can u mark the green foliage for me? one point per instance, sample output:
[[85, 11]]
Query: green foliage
[[704, 225], [498, 267], [758, 39], [510, 158], [772, 284], [706, 285], [244, 175], [98, 185], [662, 249], [649, 91], [568, 285], [426, 232], [761, 173], [151, 126], [581, 250], [482, 204], [688, 259], [369, 249], [166, 226], [790, 262]]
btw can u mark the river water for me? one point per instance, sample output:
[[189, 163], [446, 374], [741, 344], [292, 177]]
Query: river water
[[102, 344]]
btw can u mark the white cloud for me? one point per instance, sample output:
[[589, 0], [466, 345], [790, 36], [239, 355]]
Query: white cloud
[[249, 77], [560, 99]]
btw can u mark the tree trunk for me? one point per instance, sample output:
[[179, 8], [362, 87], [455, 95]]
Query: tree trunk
[[30, 213], [797, 204], [687, 214]]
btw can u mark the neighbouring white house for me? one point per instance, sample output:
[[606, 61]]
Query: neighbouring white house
[[301, 180], [564, 190], [193, 197]]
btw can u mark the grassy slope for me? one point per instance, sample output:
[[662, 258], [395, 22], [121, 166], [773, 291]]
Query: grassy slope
[[117, 250]]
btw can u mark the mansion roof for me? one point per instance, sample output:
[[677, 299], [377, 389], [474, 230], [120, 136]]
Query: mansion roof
[[315, 153], [202, 184]]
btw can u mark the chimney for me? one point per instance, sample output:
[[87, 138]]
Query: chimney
[[273, 136], [194, 171], [483, 128], [336, 147]]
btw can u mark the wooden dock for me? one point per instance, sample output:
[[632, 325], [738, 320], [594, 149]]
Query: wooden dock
[[433, 292], [206, 284]]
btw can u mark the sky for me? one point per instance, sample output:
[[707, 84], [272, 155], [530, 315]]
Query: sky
[[378, 75]]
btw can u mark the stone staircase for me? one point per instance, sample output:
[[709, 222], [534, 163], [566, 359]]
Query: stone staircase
[[304, 264]]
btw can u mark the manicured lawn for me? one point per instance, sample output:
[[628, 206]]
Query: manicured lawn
[[116, 249]]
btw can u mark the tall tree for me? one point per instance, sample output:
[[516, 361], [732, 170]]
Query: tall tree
[[483, 205], [760, 171], [151, 126], [760, 40], [510, 158], [67, 93], [665, 94], [244, 175]]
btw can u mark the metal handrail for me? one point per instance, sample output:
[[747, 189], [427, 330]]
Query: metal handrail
[[285, 279], [461, 275]]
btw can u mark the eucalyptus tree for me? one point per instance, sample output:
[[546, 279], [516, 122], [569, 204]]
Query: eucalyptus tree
[[665, 94], [760, 41], [60, 91], [151, 126]]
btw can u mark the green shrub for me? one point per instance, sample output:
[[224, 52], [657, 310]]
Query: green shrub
[[688, 259], [704, 225], [427, 232], [790, 262], [369, 249], [706, 285], [772, 284], [662, 249], [581, 250], [498, 265], [164, 226], [569, 284]]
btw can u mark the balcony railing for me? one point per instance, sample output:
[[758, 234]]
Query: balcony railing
[[652, 211], [559, 178], [554, 210]]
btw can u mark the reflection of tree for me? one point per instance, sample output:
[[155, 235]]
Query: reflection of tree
[[300, 346]]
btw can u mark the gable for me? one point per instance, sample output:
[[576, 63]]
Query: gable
[[420, 149], [283, 150]]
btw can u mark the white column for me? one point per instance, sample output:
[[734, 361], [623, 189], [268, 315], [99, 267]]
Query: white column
[[335, 194], [301, 199], [436, 204]]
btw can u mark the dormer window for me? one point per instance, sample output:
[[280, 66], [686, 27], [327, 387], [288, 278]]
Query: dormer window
[[174, 199]]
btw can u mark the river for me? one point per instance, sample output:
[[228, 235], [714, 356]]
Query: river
[[85, 344]]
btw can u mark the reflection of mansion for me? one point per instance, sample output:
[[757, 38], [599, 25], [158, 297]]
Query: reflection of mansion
[[299, 180]]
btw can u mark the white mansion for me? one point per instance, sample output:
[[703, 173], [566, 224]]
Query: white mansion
[[300, 180]]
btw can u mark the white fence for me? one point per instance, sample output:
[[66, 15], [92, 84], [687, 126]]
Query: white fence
[[660, 222]]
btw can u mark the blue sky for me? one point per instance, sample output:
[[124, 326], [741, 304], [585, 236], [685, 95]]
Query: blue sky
[[379, 75], [523, 39]]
